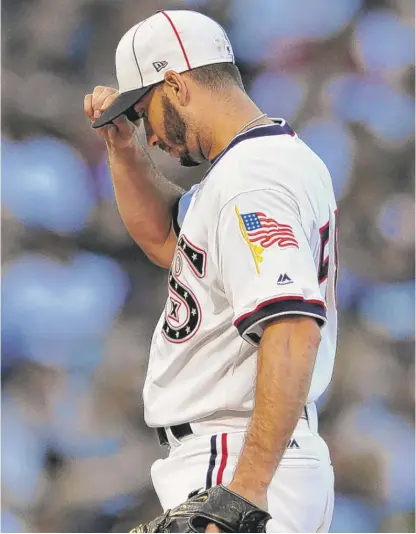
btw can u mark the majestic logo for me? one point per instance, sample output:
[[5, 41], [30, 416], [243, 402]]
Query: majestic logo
[[293, 444], [284, 279], [159, 65]]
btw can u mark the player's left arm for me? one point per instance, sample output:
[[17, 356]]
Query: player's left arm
[[271, 281], [286, 359]]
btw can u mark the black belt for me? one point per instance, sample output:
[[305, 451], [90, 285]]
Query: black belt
[[181, 431], [178, 431]]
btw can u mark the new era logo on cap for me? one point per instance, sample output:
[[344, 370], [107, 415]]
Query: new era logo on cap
[[159, 65]]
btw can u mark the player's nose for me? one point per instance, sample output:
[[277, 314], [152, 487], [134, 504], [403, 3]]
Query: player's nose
[[151, 138]]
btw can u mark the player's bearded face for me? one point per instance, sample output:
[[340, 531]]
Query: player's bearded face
[[175, 132]]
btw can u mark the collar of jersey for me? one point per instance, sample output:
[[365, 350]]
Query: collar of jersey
[[280, 127]]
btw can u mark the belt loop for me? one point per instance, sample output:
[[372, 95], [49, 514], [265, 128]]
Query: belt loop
[[172, 439]]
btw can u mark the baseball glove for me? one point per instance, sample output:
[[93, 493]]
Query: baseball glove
[[229, 511]]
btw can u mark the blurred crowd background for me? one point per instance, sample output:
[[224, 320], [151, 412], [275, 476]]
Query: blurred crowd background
[[80, 300]]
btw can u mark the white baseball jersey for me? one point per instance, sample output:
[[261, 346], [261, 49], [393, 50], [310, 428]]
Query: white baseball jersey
[[256, 242]]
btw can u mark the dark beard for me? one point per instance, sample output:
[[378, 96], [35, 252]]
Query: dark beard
[[187, 161], [175, 130]]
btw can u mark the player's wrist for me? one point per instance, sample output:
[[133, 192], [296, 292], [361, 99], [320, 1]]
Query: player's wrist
[[122, 148], [255, 493]]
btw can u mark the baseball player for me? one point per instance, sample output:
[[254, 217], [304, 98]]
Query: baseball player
[[246, 342]]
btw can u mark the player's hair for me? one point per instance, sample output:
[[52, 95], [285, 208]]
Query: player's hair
[[218, 76]]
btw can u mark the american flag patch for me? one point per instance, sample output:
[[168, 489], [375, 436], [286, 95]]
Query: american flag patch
[[266, 231]]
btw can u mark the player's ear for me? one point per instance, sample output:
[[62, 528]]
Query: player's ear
[[176, 87]]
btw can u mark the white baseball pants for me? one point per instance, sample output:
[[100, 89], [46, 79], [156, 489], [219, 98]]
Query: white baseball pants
[[300, 497]]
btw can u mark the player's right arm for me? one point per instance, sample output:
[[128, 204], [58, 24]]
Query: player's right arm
[[145, 198]]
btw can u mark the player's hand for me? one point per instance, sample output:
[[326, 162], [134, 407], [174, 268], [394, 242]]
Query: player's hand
[[121, 132]]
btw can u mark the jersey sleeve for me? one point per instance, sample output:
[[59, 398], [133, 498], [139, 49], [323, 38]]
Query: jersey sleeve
[[266, 264], [180, 208]]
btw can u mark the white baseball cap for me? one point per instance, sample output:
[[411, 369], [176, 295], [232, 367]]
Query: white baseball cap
[[168, 40]]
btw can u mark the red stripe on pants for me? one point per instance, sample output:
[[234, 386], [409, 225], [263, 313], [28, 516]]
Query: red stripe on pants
[[224, 457]]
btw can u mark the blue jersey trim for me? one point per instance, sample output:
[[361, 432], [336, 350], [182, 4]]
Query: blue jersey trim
[[278, 128]]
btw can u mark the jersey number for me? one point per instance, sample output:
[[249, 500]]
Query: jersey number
[[325, 256], [183, 312]]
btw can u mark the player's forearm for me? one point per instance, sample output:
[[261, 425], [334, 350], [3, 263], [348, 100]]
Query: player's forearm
[[144, 196], [286, 359]]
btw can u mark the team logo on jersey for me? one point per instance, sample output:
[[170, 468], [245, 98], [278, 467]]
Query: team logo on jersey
[[261, 232], [183, 312]]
